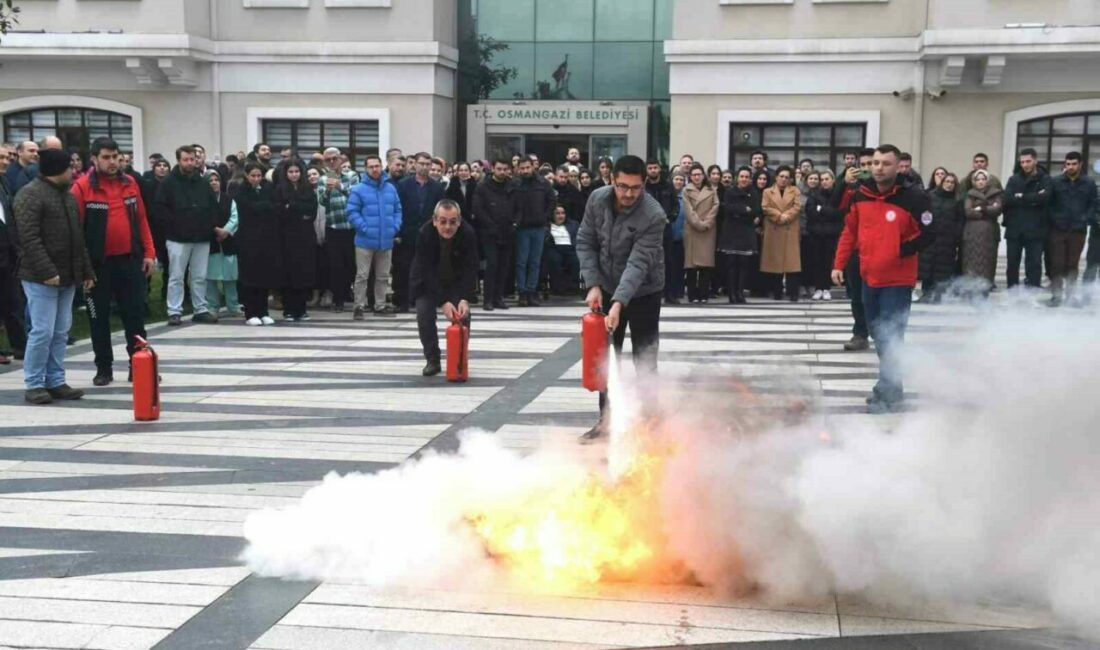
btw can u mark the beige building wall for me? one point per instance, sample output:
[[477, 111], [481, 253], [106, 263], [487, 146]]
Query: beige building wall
[[708, 19], [695, 118], [946, 78], [960, 14], [193, 69]]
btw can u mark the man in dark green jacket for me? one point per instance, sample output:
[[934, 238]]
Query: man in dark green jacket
[[1026, 219], [52, 263], [188, 210]]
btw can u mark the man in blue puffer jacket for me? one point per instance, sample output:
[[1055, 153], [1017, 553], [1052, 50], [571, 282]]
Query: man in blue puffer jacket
[[374, 209]]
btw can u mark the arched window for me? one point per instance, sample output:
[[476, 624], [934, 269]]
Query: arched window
[[1056, 135], [76, 127]]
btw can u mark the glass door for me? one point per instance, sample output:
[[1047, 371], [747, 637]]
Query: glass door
[[503, 146], [606, 146]]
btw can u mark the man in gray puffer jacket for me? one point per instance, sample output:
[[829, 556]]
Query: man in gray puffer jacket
[[620, 247]]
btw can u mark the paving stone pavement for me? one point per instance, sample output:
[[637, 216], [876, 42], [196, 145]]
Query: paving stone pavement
[[123, 535]]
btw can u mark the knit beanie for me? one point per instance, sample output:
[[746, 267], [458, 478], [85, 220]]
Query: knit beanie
[[52, 162]]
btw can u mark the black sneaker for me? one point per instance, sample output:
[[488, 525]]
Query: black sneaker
[[432, 368], [175, 320], [38, 396], [65, 392], [533, 300], [103, 377], [593, 434], [522, 301], [500, 304], [488, 306], [384, 312], [358, 313]]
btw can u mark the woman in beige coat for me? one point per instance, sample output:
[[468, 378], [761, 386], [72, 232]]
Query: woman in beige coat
[[781, 253], [700, 233]]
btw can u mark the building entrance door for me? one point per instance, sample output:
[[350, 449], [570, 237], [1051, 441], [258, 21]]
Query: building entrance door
[[553, 149]]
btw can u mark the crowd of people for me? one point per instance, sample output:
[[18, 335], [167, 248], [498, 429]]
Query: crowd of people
[[257, 232]]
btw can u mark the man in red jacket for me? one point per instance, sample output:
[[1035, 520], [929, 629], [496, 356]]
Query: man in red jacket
[[120, 246], [888, 224]]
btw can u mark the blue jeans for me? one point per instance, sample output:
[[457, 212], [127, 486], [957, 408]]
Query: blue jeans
[[887, 317], [529, 243], [51, 311]]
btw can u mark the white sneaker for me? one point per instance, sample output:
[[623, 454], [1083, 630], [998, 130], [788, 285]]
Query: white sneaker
[[826, 295], [254, 321], [267, 320], [817, 295]]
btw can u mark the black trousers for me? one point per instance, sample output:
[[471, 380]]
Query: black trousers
[[853, 281], [738, 270], [498, 263], [254, 300], [403, 255], [426, 327], [792, 284], [294, 301], [12, 309], [339, 254], [1031, 252], [698, 284], [643, 316], [819, 251], [674, 268], [118, 278], [561, 266]]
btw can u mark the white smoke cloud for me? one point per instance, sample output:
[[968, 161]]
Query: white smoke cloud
[[987, 489]]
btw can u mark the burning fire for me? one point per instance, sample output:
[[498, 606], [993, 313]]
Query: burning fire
[[588, 532]]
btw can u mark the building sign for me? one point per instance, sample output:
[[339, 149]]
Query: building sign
[[557, 114]]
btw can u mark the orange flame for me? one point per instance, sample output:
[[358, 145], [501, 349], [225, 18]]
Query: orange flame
[[581, 534]]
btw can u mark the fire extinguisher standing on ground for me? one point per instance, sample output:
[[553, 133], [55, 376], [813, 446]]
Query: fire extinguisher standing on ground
[[458, 351], [594, 342], [146, 382]]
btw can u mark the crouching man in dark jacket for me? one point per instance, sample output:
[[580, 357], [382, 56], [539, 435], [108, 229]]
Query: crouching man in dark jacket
[[621, 250], [443, 275]]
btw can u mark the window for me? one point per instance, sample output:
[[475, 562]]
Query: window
[[76, 127], [1055, 136], [307, 137], [786, 144]]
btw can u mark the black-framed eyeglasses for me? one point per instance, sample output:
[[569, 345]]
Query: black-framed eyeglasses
[[628, 189]]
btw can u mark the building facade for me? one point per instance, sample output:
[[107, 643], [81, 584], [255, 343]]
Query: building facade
[[943, 79], [583, 73], [362, 75]]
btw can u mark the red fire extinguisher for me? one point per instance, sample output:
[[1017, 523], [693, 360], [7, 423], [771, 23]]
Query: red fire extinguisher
[[458, 351], [146, 382], [594, 351]]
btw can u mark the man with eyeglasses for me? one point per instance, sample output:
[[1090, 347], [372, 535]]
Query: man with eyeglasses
[[339, 246], [620, 247], [443, 276]]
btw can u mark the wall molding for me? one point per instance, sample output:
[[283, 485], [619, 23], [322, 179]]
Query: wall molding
[[135, 113], [255, 114], [873, 119], [1013, 119]]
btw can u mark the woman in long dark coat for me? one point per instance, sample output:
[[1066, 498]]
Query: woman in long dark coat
[[259, 244], [740, 214], [982, 233], [824, 223], [937, 262], [296, 205]]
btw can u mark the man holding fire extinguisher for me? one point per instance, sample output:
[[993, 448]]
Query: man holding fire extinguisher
[[443, 275], [620, 245]]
